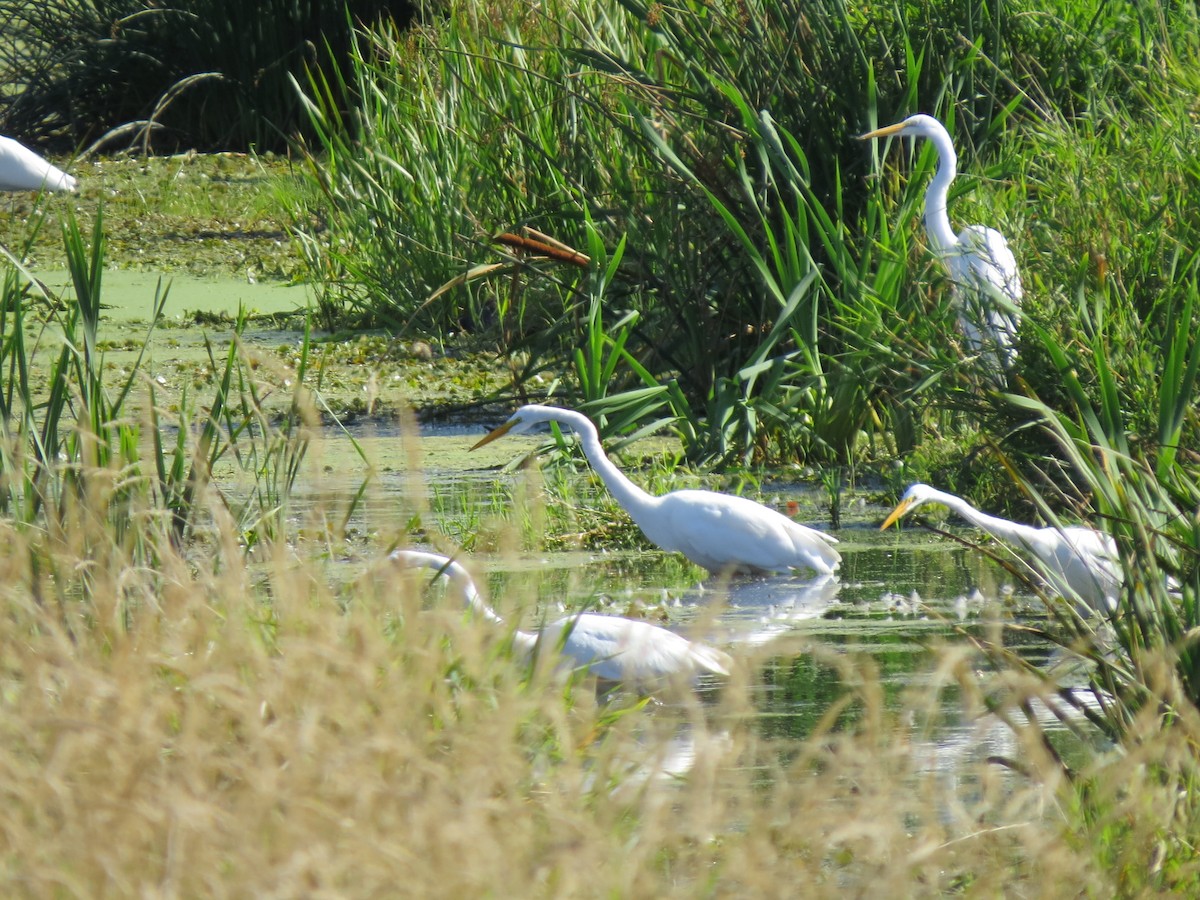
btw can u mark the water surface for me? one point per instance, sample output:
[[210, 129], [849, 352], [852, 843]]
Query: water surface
[[900, 597]]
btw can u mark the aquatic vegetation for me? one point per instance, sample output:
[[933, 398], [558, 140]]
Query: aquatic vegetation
[[731, 264], [84, 438], [207, 215], [189, 662], [1144, 494], [247, 726]]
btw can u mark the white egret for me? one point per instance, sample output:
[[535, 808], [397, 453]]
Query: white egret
[[1077, 561], [982, 268], [23, 170], [612, 648], [721, 532]]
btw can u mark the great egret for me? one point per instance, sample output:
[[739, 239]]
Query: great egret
[[23, 170], [982, 268], [720, 532], [1078, 562], [610, 647]]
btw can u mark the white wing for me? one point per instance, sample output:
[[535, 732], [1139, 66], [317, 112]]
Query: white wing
[[1091, 567], [719, 531], [23, 170], [1081, 564], [988, 287], [619, 649]]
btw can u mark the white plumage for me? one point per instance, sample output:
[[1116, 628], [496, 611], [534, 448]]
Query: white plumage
[[612, 648], [721, 532], [1078, 562], [983, 270], [23, 170]]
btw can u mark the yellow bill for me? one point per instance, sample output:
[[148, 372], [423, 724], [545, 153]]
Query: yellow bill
[[895, 514], [496, 433], [882, 132]]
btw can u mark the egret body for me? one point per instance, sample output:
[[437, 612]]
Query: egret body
[[1077, 561], [23, 170], [612, 648], [721, 532], [982, 268]]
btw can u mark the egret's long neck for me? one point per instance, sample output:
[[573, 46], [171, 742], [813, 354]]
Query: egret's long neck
[[1014, 532], [523, 642], [937, 220], [460, 579], [636, 501]]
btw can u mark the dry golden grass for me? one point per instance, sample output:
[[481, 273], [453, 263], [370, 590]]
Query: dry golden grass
[[222, 729]]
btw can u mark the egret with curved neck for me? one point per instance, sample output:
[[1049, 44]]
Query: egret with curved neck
[[721, 532], [982, 268], [1078, 562], [612, 648]]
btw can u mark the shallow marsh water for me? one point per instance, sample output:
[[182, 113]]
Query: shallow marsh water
[[898, 596]]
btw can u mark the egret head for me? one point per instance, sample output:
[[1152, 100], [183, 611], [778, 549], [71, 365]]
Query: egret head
[[913, 497], [524, 419], [414, 559], [919, 125], [458, 576], [435, 562]]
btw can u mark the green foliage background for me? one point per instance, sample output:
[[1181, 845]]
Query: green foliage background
[[773, 296], [755, 278], [202, 74]]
